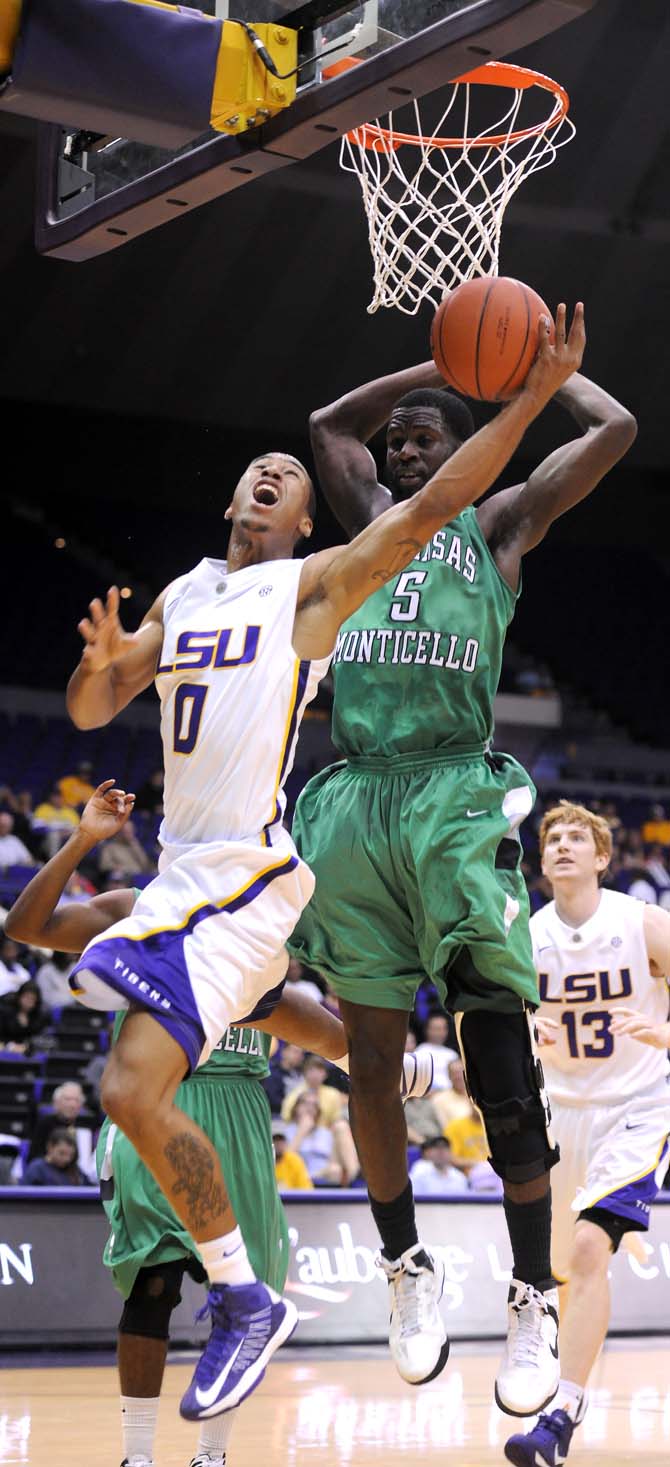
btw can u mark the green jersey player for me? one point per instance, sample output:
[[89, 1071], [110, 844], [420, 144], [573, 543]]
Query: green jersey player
[[414, 841]]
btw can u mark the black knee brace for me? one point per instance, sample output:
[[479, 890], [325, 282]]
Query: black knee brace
[[154, 1295], [505, 1081], [611, 1223]]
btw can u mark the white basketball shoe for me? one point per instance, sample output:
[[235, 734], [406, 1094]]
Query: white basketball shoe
[[530, 1370], [417, 1075], [418, 1339]]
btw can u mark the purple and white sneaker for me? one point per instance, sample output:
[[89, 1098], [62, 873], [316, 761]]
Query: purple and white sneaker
[[249, 1322], [548, 1442]]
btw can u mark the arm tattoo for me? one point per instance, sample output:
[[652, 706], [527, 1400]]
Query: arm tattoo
[[204, 1197], [399, 560]]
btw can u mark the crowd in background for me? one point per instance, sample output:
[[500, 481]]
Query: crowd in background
[[308, 1099], [31, 832]]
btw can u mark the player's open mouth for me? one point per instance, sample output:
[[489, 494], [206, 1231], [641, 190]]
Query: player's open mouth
[[265, 493]]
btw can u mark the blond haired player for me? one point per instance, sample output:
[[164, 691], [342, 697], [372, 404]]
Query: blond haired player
[[602, 959]]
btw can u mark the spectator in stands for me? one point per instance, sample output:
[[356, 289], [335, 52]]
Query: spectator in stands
[[285, 1075], [327, 1150], [51, 979], [68, 1103], [436, 1034], [21, 807], [656, 830], [76, 789], [12, 972], [22, 1017], [93, 1075], [433, 1175], [453, 1103], [59, 1167], [467, 1139], [657, 866], [13, 851], [290, 1170], [56, 819], [633, 878], [124, 855], [149, 797], [329, 1101]]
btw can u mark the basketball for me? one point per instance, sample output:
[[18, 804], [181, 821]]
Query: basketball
[[484, 336]]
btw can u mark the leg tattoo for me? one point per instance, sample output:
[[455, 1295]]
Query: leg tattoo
[[193, 1167]]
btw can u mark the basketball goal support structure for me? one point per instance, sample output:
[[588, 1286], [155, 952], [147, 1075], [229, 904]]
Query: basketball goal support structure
[[320, 115]]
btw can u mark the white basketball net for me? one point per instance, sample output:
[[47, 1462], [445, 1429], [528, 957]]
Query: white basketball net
[[435, 205]]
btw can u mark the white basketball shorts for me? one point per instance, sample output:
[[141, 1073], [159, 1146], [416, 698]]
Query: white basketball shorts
[[205, 940], [613, 1157]]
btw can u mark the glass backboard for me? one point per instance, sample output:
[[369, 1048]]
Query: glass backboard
[[96, 192]]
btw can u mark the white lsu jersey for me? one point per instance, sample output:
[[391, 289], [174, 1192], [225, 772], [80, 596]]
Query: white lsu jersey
[[232, 693], [585, 974]]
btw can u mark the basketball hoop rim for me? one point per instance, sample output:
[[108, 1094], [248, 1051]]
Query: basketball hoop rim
[[493, 73]]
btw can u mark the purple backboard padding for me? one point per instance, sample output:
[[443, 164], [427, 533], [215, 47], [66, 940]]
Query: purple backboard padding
[[116, 67]]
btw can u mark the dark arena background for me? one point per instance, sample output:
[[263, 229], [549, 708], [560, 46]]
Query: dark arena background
[[138, 378]]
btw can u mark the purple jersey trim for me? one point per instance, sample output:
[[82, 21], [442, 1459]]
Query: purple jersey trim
[[634, 1200], [265, 1006], [152, 971]]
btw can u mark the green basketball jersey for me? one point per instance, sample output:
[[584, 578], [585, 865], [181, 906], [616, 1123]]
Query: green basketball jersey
[[239, 1052], [416, 668]]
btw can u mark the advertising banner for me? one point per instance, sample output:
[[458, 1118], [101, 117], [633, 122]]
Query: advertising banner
[[55, 1290]]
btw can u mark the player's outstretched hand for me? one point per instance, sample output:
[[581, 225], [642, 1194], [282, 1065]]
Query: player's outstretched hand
[[546, 1031], [629, 1021], [106, 811], [105, 639], [557, 360]]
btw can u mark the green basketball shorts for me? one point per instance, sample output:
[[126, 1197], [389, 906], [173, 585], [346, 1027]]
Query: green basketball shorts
[[145, 1231], [417, 866]]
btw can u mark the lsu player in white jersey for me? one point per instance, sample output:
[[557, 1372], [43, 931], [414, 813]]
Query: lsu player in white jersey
[[603, 960], [237, 648]]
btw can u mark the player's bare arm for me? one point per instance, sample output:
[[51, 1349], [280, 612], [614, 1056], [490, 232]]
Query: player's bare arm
[[115, 665], [656, 923], [657, 939], [517, 519], [345, 467], [35, 916], [335, 583]]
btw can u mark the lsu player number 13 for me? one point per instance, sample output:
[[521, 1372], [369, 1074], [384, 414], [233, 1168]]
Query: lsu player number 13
[[610, 1095], [598, 954]]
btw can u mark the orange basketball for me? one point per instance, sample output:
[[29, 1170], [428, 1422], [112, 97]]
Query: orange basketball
[[484, 336]]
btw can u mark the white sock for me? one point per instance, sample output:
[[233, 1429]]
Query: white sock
[[343, 1063], [569, 1398], [226, 1260], [215, 1434], [139, 1415]]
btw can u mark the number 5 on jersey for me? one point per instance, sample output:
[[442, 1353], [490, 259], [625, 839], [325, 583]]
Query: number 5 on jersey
[[406, 599]]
